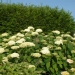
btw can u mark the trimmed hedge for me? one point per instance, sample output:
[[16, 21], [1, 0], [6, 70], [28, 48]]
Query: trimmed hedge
[[14, 17]]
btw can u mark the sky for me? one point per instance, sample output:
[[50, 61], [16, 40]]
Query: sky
[[67, 5]]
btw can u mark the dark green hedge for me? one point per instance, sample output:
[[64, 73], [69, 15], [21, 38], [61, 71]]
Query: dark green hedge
[[14, 17]]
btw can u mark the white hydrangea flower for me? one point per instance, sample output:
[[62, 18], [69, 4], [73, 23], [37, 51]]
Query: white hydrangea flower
[[13, 37], [45, 50], [14, 55], [74, 34], [17, 38], [26, 44], [20, 35], [36, 54], [22, 45], [5, 60], [66, 35], [31, 28], [39, 30], [14, 47], [70, 61], [58, 40], [72, 69], [2, 50], [62, 35], [21, 40], [73, 38], [26, 30], [46, 36], [72, 51], [31, 66], [3, 44], [5, 40], [11, 42], [4, 34], [30, 44], [34, 33], [65, 73], [56, 32]]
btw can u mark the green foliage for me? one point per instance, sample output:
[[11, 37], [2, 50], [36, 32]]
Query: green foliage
[[34, 53], [14, 17], [16, 69]]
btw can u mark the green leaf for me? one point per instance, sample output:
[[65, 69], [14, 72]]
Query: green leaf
[[52, 70], [56, 69], [48, 65], [29, 59], [61, 54], [64, 64], [60, 63], [53, 62], [70, 46], [54, 66], [63, 47]]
